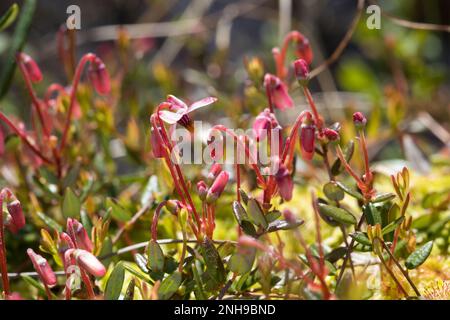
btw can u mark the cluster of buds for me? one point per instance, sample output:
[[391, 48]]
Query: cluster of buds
[[219, 179]]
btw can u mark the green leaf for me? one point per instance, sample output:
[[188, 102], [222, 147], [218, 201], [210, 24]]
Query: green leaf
[[383, 197], [71, 204], [419, 256], [115, 283], [333, 192], [272, 216], [373, 215], [169, 286], [155, 256], [242, 262], [117, 211], [392, 226], [283, 225], [213, 262], [337, 166], [8, 18], [129, 294], [19, 37], [49, 221], [242, 219], [337, 214], [361, 237], [349, 190], [256, 214]]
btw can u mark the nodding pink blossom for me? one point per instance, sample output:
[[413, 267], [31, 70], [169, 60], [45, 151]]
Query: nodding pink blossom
[[331, 135], [87, 261], [216, 168], [178, 111], [156, 140], [263, 122], [277, 92], [301, 71], [217, 187], [359, 119], [202, 190], [79, 235], [43, 269], [99, 76], [307, 137], [14, 208], [284, 182], [31, 67]]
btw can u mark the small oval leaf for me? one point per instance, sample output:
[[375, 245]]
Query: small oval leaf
[[71, 204], [337, 214], [419, 256], [256, 213], [169, 286], [115, 283], [155, 256], [333, 192], [383, 197], [242, 262]]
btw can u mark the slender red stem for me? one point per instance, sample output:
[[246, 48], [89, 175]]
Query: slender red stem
[[155, 220], [22, 135], [317, 117], [3, 265], [73, 93]]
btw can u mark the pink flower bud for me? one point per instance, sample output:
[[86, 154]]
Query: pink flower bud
[[278, 92], [284, 182], [15, 210], [307, 141], [262, 124], [202, 190], [79, 235], [217, 187], [301, 71], [42, 267], [157, 142], [173, 206], [331, 135], [216, 168], [359, 120], [31, 66], [87, 261], [99, 76]]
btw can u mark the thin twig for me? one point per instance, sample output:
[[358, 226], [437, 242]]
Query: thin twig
[[343, 44]]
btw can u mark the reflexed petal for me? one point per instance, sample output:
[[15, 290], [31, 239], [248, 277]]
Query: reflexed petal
[[170, 117], [179, 104], [202, 103]]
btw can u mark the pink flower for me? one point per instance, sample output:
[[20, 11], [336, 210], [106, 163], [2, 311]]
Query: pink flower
[[202, 190], [263, 122], [89, 262], [307, 141], [216, 168], [79, 235], [284, 182], [42, 267], [359, 119], [277, 92], [31, 67], [217, 187], [301, 71], [304, 50], [14, 208], [156, 140], [331, 135], [99, 76], [179, 111]]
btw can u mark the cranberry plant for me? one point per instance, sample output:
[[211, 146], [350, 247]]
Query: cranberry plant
[[248, 229]]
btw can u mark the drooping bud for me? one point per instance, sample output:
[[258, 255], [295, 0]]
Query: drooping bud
[[202, 190], [262, 124], [307, 137], [87, 261], [359, 120], [301, 72], [284, 182], [99, 76], [42, 267], [156, 141], [217, 187], [2, 142], [331, 135], [278, 92], [303, 49], [173, 206], [31, 66], [79, 235], [216, 168], [15, 210]]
